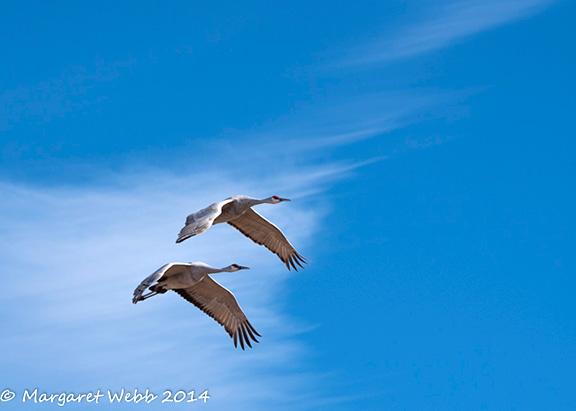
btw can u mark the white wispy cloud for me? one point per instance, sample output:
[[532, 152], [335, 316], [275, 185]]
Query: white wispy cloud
[[328, 126], [446, 25], [75, 254]]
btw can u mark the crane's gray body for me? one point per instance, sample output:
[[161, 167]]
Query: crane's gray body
[[234, 207]]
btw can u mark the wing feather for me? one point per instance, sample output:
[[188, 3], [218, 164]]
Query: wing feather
[[263, 232], [220, 304], [200, 221]]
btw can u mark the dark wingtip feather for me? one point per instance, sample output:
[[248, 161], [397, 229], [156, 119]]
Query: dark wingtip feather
[[292, 263], [294, 259], [298, 262], [246, 336], [252, 328], [251, 333], [240, 338], [301, 258]]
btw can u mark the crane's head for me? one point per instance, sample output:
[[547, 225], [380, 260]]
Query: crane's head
[[236, 267], [276, 199]]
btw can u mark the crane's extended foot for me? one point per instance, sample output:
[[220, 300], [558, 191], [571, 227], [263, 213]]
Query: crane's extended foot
[[144, 297]]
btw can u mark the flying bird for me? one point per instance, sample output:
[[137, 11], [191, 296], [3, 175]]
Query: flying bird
[[192, 281], [237, 211]]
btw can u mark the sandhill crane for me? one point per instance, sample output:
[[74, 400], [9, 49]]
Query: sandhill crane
[[192, 281], [237, 211]]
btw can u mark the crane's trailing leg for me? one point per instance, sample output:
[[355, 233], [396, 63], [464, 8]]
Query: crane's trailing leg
[[155, 289], [158, 289], [146, 296]]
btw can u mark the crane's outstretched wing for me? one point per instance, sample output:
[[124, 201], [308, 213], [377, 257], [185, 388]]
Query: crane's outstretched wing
[[200, 221], [220, 304], [165, 270], [263, 232]]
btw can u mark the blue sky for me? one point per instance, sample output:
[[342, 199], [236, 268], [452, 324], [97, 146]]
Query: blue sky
[[427, 148]]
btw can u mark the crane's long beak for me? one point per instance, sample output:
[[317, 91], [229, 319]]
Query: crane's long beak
[[243, 268], [285, 199]]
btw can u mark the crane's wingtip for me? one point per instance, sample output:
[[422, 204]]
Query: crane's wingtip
[[297, 256], [252, 328], [295, 259]]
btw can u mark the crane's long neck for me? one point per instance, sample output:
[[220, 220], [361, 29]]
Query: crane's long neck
[[228, 269], [244, 205], [255, 201], [214, 270]]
